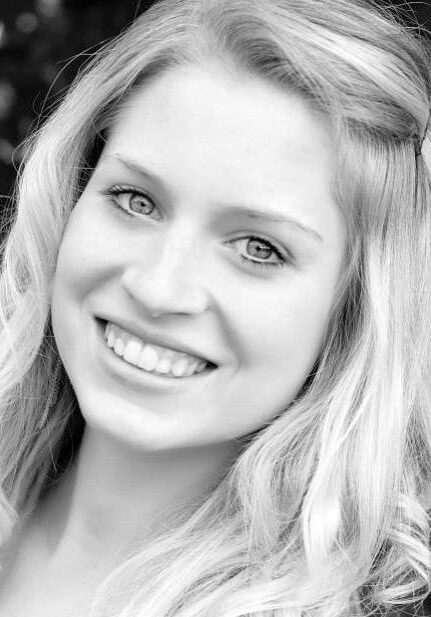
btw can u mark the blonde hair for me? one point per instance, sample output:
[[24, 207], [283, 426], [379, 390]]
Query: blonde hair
[[321, 513]]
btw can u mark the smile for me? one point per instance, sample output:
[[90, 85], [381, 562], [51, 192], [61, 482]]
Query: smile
[[152, 358]]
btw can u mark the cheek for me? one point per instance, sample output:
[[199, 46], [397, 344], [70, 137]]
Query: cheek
[[80, 266], [285, 326], [90, 249], [279, 338]]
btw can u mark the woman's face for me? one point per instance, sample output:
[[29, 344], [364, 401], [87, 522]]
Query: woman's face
[[208, 240]]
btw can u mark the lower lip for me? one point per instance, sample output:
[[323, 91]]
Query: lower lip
[[132, 373]]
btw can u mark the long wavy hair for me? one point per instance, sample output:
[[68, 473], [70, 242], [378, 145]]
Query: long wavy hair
[[322, 512]]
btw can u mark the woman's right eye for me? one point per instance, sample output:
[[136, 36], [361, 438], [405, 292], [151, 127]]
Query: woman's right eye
[[133, 202]]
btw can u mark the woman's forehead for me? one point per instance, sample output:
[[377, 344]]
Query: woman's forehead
[[197, 129]]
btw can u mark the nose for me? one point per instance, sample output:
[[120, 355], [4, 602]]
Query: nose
[[170, 282]]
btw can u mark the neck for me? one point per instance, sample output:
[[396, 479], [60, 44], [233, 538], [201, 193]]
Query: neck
[[115, 499]]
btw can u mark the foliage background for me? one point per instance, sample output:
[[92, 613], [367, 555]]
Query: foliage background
[[42, 45]]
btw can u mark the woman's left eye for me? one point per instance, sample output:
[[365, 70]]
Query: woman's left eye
[[133, 202], [258, 252]]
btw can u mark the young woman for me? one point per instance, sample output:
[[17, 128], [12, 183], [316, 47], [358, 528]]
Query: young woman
[[215, 344]]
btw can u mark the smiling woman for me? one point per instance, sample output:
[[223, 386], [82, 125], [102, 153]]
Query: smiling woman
[[174, 247], [214, 359]]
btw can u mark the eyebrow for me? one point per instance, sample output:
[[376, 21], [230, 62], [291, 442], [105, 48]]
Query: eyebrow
[[274, 217], [248, 211]]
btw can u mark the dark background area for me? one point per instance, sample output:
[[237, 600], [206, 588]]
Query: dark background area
[[42, 45], [44, 42]]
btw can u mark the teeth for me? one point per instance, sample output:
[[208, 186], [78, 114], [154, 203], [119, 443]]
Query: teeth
[[132, 352], [151, 358], [200, 367], [119, 346], [111, 338], [164, 365], [179, 368], [192, 368], [148, 359]]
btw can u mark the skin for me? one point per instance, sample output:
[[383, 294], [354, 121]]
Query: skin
[[214, 145]]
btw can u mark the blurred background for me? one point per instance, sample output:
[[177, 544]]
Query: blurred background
[[44, 42], [42, 45]]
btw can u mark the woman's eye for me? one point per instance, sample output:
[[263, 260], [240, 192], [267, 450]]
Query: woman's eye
[[258, 252], [133, 202]]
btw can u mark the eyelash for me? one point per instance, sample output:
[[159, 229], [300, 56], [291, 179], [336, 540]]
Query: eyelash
[[282, 260], [118, 190]]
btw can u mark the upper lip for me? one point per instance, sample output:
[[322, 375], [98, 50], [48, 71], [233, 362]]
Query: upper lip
[[156, 338]]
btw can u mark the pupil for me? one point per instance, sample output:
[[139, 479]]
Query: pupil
[[141, 205], [256, 248]]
